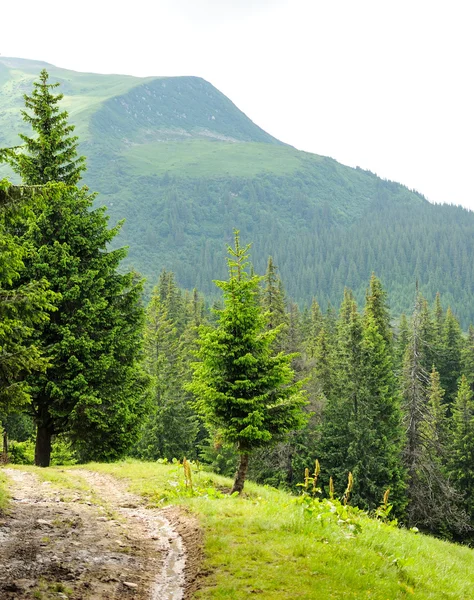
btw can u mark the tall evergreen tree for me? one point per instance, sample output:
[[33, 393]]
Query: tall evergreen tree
[[273, 301], [171, 428], [315, 325], [433, 503], [439, 418], [462, 449], [52, 154], [93, 387], [468, 357], [22, 308], [450, 360], [427, 335], [438, 319], [375, 429], [377, 309], [241, 387], [343, 374], [402, 342]]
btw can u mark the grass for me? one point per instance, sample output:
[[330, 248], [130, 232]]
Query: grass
[[265, 544], [202, 158], [4, 496]]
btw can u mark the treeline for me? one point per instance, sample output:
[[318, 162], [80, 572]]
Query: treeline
[[392, 405], [326, 227]]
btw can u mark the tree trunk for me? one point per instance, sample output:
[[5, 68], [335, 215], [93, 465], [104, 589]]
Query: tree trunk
[[241, 474], [43, 447]]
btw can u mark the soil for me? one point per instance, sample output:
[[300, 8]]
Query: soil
[[94, 545]]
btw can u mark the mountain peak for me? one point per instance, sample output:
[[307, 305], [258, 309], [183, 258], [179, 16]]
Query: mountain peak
[[178, 108]]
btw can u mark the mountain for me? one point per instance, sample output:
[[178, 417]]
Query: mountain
[[184, 166]]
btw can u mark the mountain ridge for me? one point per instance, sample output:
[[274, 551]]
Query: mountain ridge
[[183, 180]]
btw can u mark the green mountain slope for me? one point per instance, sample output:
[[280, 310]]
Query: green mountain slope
[[184, 166]]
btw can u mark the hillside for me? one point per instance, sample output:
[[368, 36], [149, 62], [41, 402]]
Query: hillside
[[266, 542], [184, 166]]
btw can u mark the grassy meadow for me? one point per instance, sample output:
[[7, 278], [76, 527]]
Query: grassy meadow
[[202, 158], [271, 544]]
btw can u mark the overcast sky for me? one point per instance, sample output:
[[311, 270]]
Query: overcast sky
[[384, 85]]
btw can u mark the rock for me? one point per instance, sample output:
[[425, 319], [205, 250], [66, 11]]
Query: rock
[[132, 586], [41, 522], [102, 519]]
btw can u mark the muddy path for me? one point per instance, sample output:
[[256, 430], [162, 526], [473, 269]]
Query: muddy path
[[93, 541]]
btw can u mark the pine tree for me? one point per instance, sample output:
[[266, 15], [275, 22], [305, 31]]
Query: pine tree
[[272, 298], [343, 373], [314, 329], [450, 361], [462, 449], [93, 388], [433, 503], [376, 307], [375, 430], [171, 428], [241, 387], [427, 335], [403, 338], [22, 308], [439, 418], [52, 155], [468, 357], [438, 319]]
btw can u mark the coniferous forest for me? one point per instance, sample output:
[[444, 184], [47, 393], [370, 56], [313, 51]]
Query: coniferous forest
[[243, 380]]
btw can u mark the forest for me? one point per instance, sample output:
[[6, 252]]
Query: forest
[[245, 381], [182, 166]]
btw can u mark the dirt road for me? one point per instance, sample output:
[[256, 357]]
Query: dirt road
[[92, 541]]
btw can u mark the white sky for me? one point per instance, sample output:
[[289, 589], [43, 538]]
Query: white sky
[[384, 85]]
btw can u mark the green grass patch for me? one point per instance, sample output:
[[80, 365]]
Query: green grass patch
[[265, 543], [202, 158], [4, 495]]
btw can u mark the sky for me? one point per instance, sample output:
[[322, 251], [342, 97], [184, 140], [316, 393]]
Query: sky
[[383, 85]]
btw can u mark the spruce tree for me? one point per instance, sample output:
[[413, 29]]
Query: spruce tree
[[450, 359], [427, 335], [433, 503], [93, 388], [52, 154], [314, 328], [273, 296], [171, 428], [376, 307], [365, 422], [468, 357], [375, 430], [343, 372], [462, 445], [401, 343], [22, 308], [241, 387], [438, 320], [439, 418]]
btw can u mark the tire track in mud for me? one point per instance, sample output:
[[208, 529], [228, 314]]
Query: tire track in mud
[[62, 544]]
